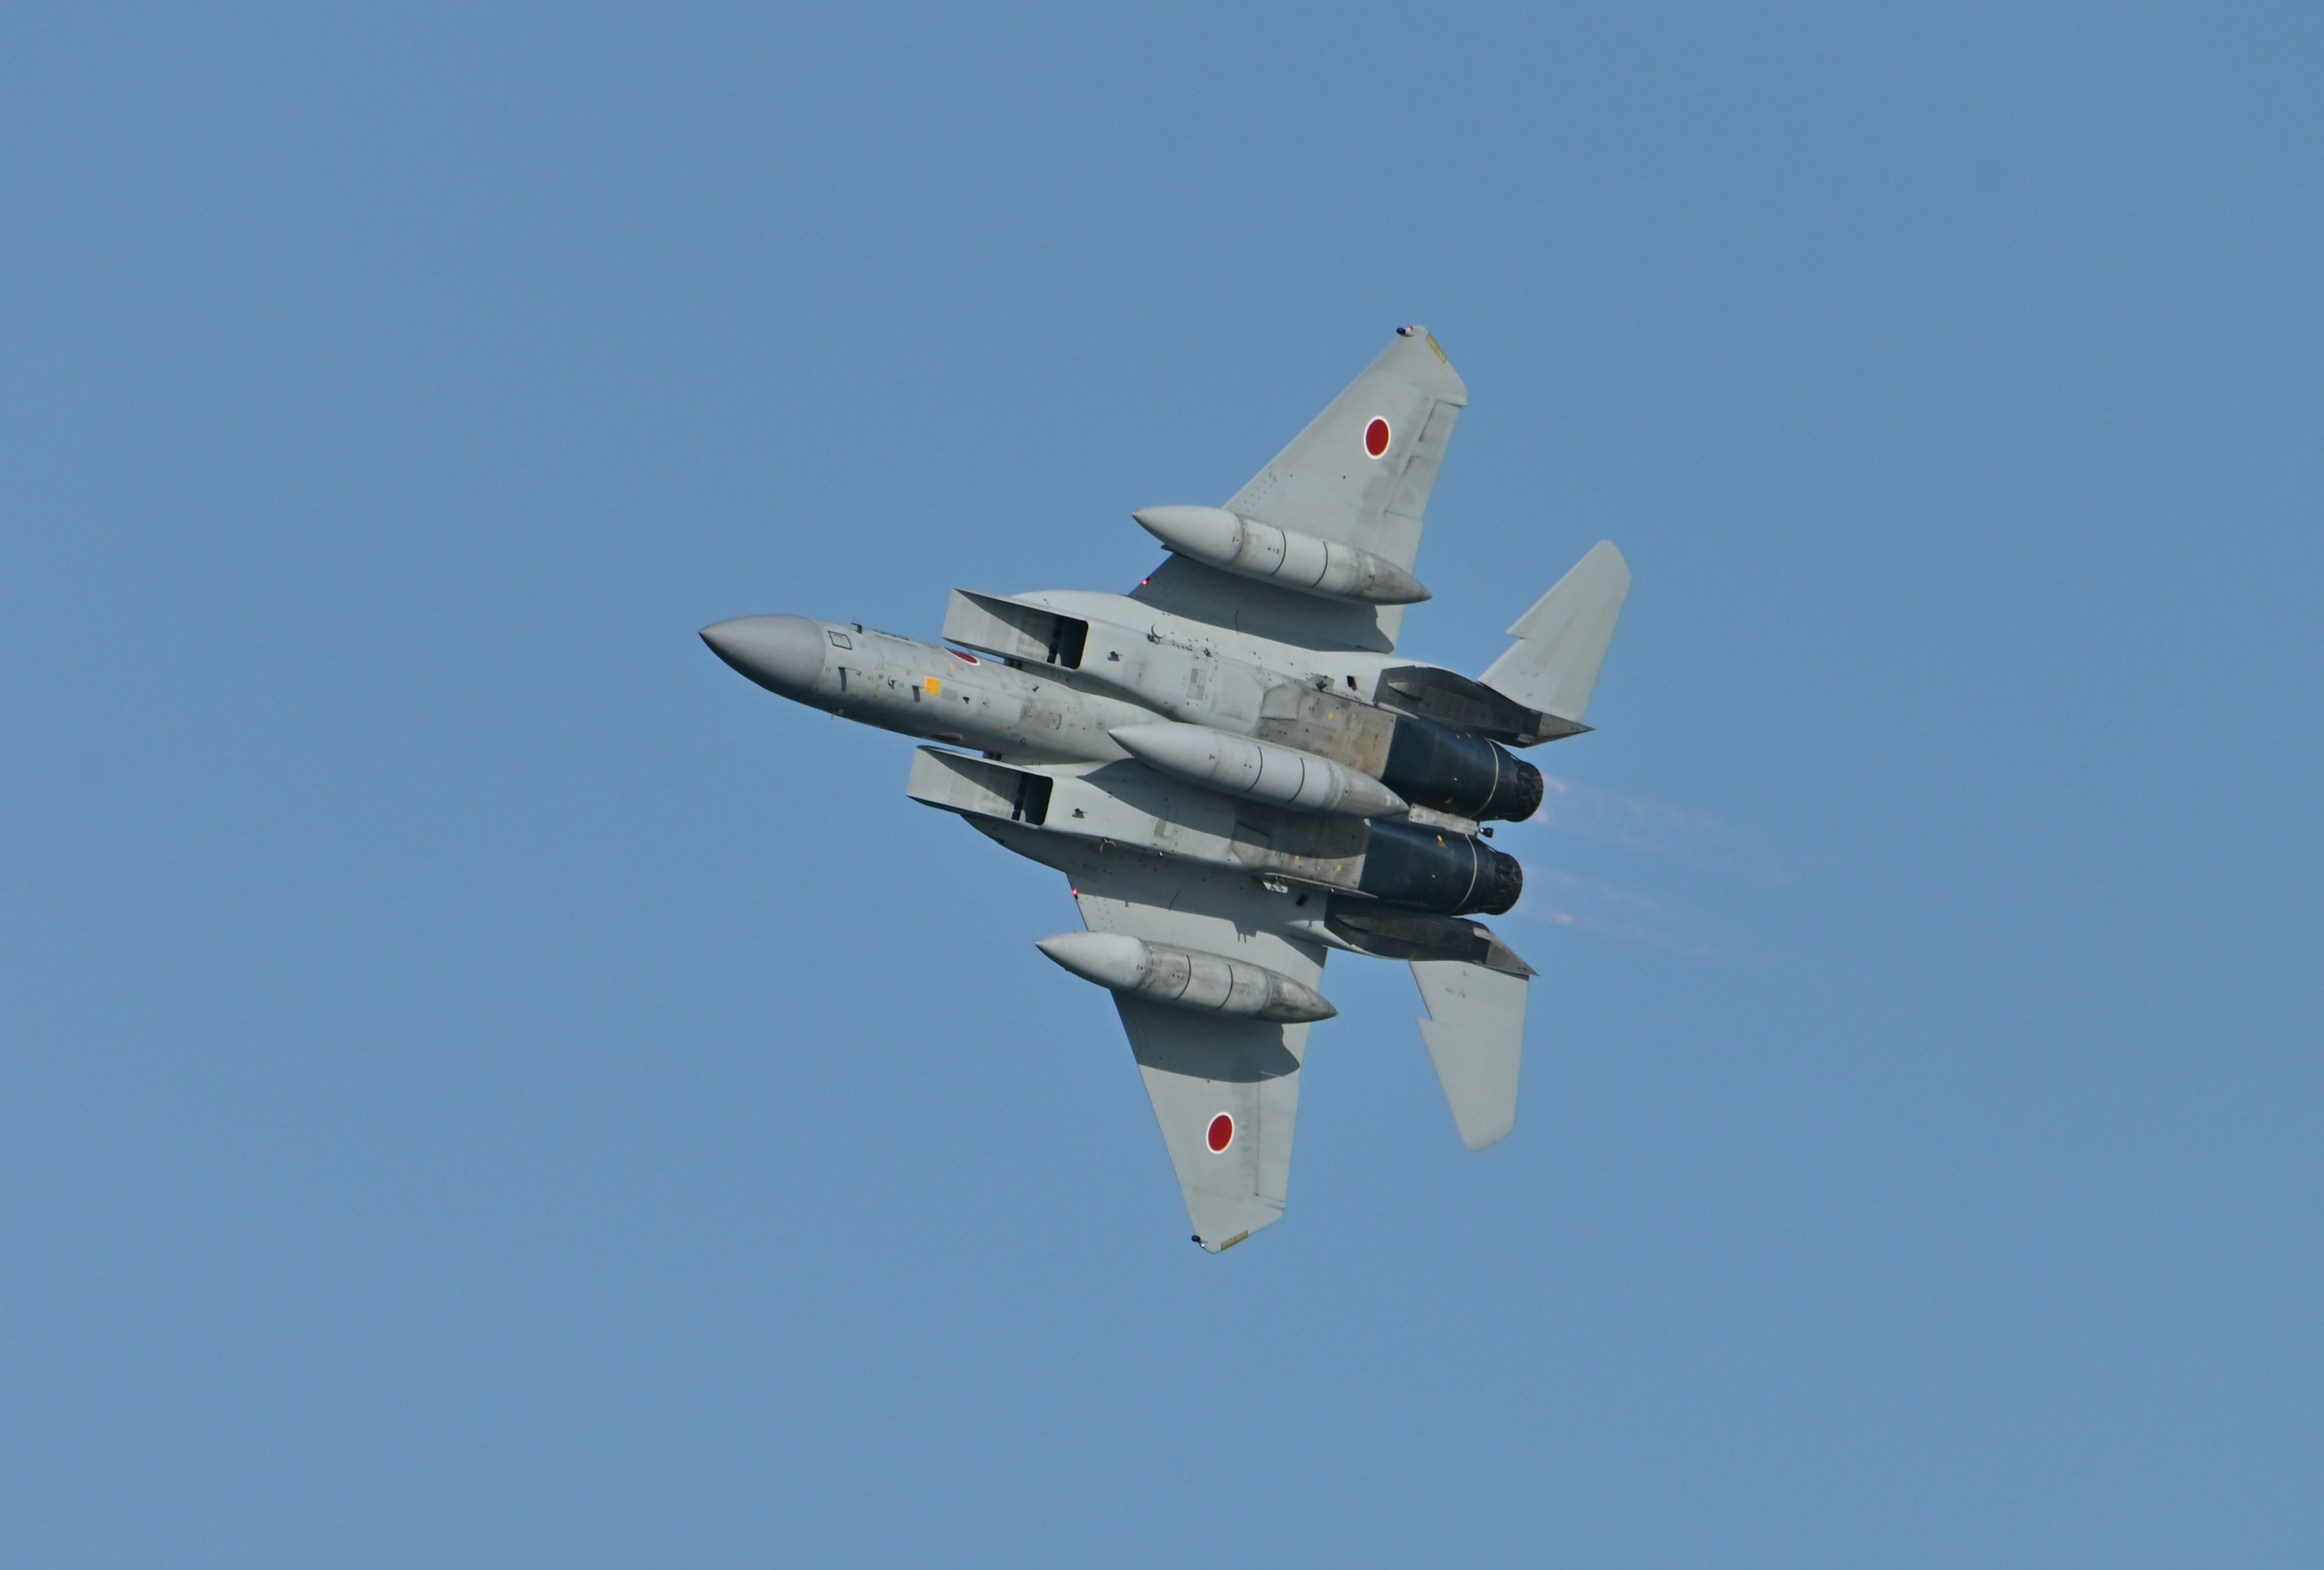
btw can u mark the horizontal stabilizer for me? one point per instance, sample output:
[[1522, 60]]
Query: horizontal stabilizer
[[1562, 642], [1475, 1032]]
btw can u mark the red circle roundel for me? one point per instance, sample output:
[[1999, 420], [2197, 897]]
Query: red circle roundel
[[1376, 437], [1222, 1133]]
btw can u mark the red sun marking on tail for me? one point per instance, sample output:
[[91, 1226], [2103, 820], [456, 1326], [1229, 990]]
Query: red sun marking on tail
[[1376, 437], [1222, 1133]]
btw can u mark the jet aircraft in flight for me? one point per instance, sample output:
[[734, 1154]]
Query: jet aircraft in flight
[[1238, 774]]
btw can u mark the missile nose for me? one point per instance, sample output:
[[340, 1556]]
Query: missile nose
[[783, 654]]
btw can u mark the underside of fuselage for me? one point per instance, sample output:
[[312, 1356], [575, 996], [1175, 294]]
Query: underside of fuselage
[[1238, 774]]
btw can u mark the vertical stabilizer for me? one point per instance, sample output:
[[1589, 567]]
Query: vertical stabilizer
[[1562, 642]]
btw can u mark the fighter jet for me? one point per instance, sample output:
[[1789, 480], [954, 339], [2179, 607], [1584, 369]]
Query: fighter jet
[[1238, 775]]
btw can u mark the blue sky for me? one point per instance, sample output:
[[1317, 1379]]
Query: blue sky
[[479, 1083]]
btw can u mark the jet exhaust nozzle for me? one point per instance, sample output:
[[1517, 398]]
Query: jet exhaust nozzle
[[1261, 770], [1437, 869], [1285, 558], [1435, 766], [1185, 978]]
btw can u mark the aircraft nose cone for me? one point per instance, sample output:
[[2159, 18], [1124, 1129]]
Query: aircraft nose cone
[[781, 654]]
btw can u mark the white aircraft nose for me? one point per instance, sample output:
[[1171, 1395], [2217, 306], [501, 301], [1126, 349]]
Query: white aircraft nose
[[781, 654]]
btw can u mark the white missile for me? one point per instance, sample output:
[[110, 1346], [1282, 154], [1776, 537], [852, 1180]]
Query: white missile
[[1262, 771], [1283, 557], [1185, 978]]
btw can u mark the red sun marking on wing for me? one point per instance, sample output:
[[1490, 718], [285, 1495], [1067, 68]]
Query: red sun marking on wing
[[1222, 1133], [1376, 437]]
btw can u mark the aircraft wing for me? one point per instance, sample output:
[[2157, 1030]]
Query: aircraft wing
[[1329, 482], [1199, 1068]]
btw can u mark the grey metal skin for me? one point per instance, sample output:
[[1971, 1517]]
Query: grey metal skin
[[1259, 770], [1041, 724], [922, 689], [1209, 760], [1185, 978], [1286, 558], [1137, 667]]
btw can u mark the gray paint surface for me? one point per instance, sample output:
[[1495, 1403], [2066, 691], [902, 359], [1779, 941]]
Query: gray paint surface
[[1201, 759]]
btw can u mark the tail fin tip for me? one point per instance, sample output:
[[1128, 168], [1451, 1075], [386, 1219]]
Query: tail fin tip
[[1561, 642]]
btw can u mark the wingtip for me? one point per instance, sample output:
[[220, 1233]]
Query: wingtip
[[1482, 1141], [1612, 555]]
